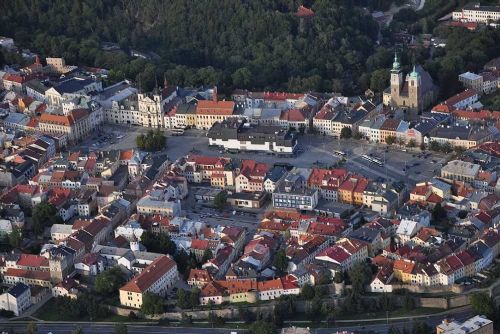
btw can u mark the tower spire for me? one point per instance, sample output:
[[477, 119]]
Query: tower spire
[[396, 66]]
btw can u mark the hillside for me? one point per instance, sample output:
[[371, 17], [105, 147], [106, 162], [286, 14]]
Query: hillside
[[233, 43]]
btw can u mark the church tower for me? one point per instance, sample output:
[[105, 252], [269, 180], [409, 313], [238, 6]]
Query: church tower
[[414, 85], [396, 78]]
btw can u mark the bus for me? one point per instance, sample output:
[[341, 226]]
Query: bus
[[375, 161]]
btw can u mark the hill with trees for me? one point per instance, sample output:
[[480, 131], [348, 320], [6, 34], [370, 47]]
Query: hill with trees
[[247, 44]]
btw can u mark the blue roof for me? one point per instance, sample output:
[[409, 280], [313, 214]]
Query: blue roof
[[18, 289], [73, 85]]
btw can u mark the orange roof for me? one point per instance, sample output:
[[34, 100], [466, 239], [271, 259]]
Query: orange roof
[[209, 107], [421, 190], [274, 284], [304, 12], [57, 119], [404, 266], [201, 275], [126, 155], [150, 275], [31, 274], [30, 260], [199, 244]]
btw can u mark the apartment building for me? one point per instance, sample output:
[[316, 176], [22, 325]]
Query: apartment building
[[156, 278]]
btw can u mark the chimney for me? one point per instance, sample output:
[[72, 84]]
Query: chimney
[[214, 96]]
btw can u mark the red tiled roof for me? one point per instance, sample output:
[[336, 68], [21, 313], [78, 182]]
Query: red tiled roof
[[31, 274], [199, 244], [30, 260], [151, 274], [293, 115], [126, 155], [57, 119], [209, 107], [304, 12]]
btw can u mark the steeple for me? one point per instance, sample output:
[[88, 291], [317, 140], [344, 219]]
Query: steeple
[[396, 66], [165, 82], [414, 73], [214, 95]]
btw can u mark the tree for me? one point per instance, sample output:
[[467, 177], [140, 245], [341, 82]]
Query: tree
[[434, 146], [281, 261], [182, 299], [390, 140], [307, 292], [412, 143], [346, 133], [379, 80], [77, 330], [439, 213], [153, 140], [262, 327], [459, 150], [246, 315], [194, 297], [109, 281], [152, 304], [220, 200], [339, 277], [121, 329], [16, 237], [357, 135], [44, 215], [158, 243], [207, 255], [421, 328], [483, 304], [31, 328], [360, 275]]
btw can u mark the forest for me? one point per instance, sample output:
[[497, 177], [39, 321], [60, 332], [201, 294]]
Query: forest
[[233, 43], [253, 44]]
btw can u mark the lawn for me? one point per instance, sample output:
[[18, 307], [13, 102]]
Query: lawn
[[49, 312]]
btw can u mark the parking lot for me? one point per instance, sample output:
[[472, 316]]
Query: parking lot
[[401, 164]]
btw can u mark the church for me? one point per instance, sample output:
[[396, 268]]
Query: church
[[414, 93]]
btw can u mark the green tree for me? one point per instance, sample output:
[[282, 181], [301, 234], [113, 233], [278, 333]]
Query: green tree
[[421, 328], [194, 297], [242, 77], [158, 243], [44, 215], [182, 299], [483, 304], [121, 329], [360, 275], [153, 140], [439, 213], [16, 237], [220, 200], [31, 328], [390, 140], [412, 143], [207, 255], [77, 330], [434, 146], [379, 80], [307, 292], [346, 133], [281, 261], [339, 277], [152, 304], [262, 327], [109, 281]]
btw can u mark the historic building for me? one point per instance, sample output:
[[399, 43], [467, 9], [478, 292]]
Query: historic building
[[415, 92]]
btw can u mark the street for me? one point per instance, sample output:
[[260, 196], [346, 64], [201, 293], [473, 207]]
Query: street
[[408, 165], [460, 314]]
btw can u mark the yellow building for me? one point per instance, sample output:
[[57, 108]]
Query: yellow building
[[156, 278]]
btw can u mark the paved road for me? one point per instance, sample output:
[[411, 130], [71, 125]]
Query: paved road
[[64, 328]]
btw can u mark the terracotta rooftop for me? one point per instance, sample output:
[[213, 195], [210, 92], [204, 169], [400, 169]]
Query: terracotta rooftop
[[151, 274]]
